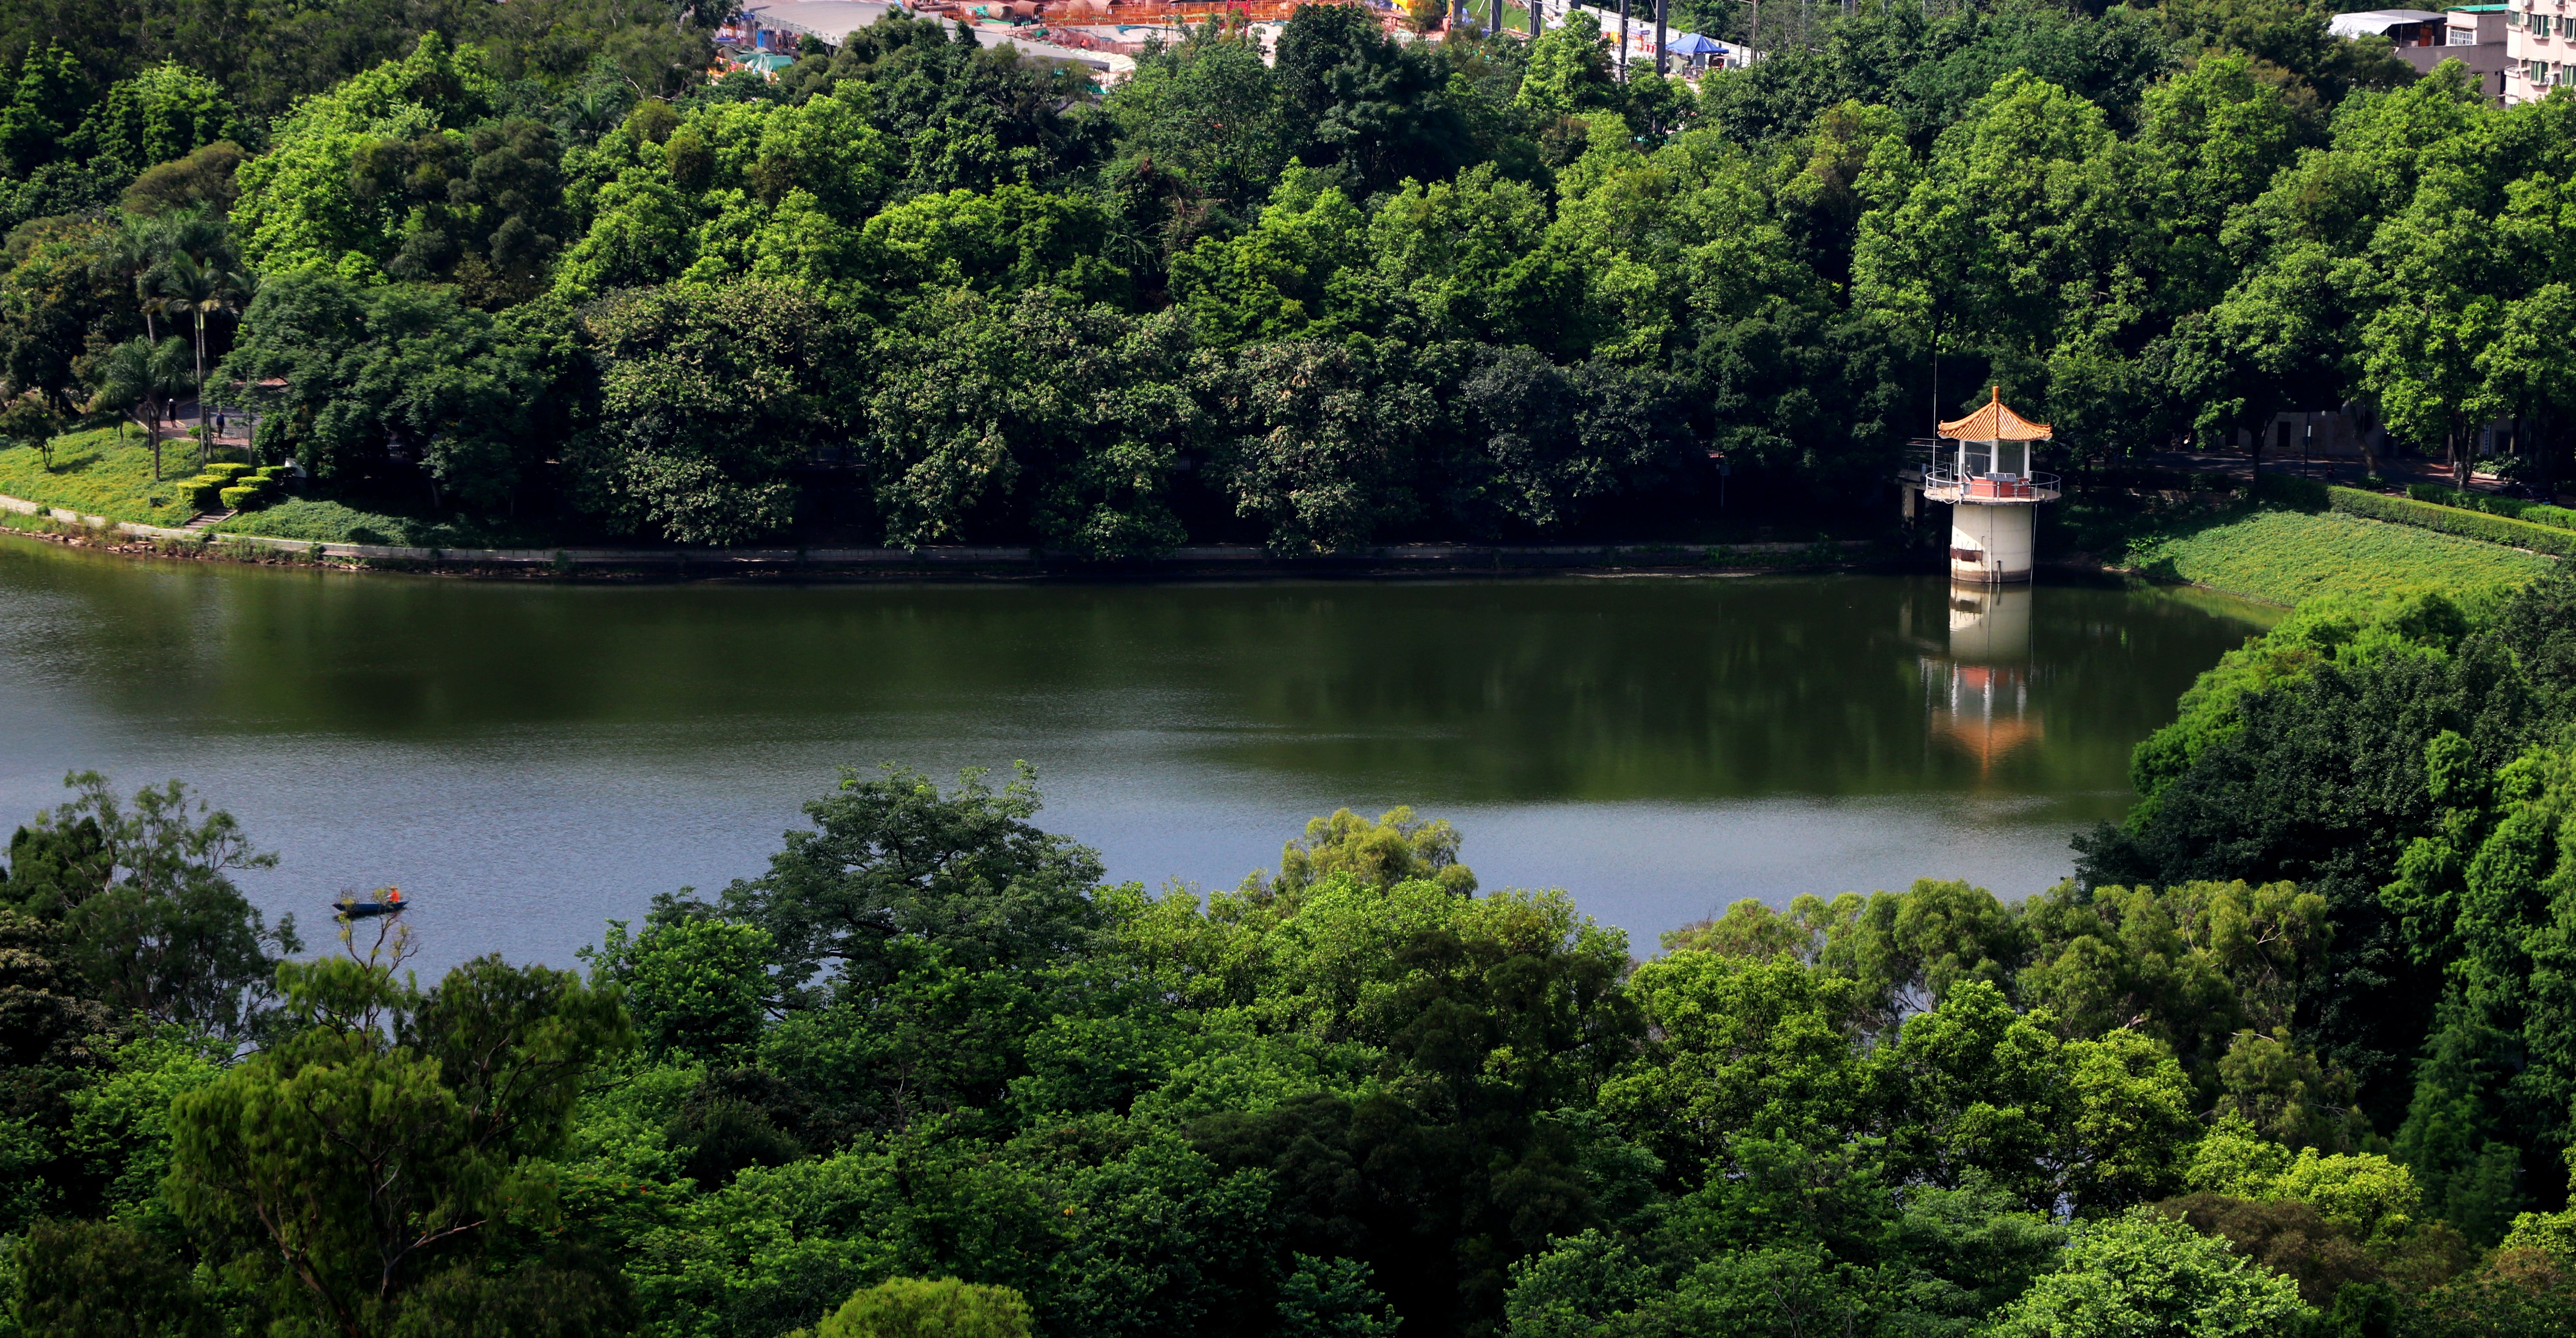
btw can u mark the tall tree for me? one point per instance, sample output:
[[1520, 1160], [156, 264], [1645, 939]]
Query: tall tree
[[359, 1162]]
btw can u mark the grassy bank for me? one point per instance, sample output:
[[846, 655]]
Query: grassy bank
[[334, 523], [97, 475], [2483, 526], [2287, 556]]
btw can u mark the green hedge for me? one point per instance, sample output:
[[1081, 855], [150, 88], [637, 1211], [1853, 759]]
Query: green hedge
[[2494, 504], [2454, 520], [241, 499], [200, 493], [224, 469], [2291, 491]]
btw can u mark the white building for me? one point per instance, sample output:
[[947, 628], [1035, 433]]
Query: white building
[[2474, 35], [828, 21], [2540, 48], [2477, 36]]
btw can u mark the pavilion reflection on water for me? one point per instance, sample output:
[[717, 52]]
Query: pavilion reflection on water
[[1978, 695]]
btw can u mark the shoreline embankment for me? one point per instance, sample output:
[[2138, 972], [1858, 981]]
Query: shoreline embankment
[[1220, 560]]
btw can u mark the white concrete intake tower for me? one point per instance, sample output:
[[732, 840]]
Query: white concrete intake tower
[[1982, 469]]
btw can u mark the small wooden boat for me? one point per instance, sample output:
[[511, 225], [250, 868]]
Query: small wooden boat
[[386, 901]]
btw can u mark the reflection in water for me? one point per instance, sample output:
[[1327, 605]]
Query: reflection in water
[[1990, 624], [1979, 694], [527, 758]]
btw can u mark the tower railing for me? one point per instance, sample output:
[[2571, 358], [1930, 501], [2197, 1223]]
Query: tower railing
[[1940, 478]]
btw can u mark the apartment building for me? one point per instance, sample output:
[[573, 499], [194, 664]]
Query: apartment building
[[2540, 48]]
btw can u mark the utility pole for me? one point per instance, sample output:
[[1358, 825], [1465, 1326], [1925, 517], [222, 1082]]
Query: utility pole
[[1661, 60], [1623, 41]]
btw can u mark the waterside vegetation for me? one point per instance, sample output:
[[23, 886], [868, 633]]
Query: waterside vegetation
[[2286, 1057]]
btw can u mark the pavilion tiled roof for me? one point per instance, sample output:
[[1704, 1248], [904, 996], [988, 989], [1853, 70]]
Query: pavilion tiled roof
[[1995, 422]]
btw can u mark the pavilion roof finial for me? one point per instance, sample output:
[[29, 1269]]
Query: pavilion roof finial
[[1995, 422]]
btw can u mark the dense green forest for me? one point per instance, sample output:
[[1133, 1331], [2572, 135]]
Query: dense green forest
[[527, 266], [2291, 1056]]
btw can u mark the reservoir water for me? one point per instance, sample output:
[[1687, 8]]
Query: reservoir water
[[527, 759]]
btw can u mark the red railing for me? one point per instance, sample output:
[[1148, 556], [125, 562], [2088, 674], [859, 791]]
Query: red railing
[[1993, 487]]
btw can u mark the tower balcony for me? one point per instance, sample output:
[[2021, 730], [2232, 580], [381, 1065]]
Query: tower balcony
[[1942, 484]]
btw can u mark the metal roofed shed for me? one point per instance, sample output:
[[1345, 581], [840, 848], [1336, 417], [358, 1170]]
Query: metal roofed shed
[[2403, 27]]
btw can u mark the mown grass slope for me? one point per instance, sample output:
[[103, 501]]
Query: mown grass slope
[[97, 475], [2288, 556]]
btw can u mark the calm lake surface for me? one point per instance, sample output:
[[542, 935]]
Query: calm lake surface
[[529, 759]]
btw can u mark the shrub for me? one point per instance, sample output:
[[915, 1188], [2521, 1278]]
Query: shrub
[[2488, 502], [321, 521], [239, 499], [2291, 491], [920, 1308], [200, 493], [225, 469], [2467, 524], [2558, 517]]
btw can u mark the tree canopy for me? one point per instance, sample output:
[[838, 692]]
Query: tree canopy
[[1329, 292]]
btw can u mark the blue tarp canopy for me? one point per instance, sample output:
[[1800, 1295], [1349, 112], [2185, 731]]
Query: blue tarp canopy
[[1692, 44]]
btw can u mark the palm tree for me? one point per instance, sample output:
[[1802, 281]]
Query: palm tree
[[146, 249], [225, 292], [196, 233], [137, 378], [196, 291], [191, 290], [591, 110], [130, 253]]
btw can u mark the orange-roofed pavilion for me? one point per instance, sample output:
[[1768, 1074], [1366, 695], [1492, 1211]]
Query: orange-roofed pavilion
[[1995, 422]]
